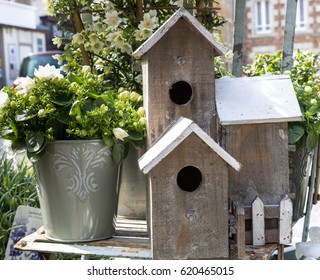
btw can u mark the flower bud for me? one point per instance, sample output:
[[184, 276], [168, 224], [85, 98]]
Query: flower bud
[[313, 101], [41, 113], [308, 89], [134, 96], [141, 111], [119, 133], [124, 95]]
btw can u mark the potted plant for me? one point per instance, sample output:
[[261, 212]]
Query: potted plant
[[304, 135], [47, 113], [103, 35]]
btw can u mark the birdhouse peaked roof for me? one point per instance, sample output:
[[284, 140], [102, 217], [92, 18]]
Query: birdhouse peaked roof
[[176, 133], [181, 13], [262, 99]]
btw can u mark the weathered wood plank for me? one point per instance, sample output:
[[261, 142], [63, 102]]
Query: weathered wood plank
[[266, 147], [190, 225], [258, 222], [238, 45], [177, 133], [289, 31], [182, 13], [270, 212], [130, 246], [241, 238], [285, 221]]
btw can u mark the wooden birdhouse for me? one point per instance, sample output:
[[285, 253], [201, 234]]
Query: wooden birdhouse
[[254, 113], [178, 75], [189, 194]]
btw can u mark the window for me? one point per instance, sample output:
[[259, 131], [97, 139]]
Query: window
[[301, 14], [40, 45], [262, 16]]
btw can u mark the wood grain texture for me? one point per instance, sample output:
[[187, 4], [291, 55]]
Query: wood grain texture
[[176, 58], [258, 222], [262, 150], [190, 225], [285, 221]]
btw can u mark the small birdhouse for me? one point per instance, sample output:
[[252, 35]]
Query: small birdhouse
[[178, 75], [189, 194], [254, 113]]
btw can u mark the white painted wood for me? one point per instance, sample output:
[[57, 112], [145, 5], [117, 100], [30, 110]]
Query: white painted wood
[[176, 133], [285, 221], [258, 227], [263, 99], [181, 13]]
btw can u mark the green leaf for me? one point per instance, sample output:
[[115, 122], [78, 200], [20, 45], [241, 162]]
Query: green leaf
[[56, 126], [62, 99], [135, 135], [86, 107], [7, 134], [75, 109], [118, 151], [33, 157], [108, 140], [25, 115], [295, 132], [74, 78], [312, 140], [35, 141], [100, 101]]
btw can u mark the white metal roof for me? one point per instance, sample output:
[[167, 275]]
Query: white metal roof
[[181, 13], [177, 132], [262, 99]]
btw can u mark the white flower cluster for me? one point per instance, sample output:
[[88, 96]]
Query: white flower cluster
[[109, 32]]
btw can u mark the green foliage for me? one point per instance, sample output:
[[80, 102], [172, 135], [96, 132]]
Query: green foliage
[[104, 34], [306, 82], [80, 105], [17, 187]]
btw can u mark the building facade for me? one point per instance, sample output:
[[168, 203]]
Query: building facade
[[264, 26], [19, 35]]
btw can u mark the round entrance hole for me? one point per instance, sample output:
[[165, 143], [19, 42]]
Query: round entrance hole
[[189, 178], [180, 93]]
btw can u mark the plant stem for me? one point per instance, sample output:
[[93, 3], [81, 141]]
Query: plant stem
[[79, 27]]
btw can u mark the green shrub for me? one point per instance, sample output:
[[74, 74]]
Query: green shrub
[[17, 187]]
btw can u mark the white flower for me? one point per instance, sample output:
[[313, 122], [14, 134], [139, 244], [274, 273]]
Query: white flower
[[112, 19], [148, 22], [111, 37], [48, 7], [119, 133], [98, 27], [47, 72], [118, 41], [4, 99], [24, 84], [58, 57], [97, 46], [142, 34], [78, 38], [57, 41], [126, 48]]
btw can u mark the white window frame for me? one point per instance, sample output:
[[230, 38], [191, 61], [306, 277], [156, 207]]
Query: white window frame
[[301, 16], [263, 16]]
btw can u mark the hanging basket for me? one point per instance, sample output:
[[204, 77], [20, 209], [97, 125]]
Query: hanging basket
[[78, 190]]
